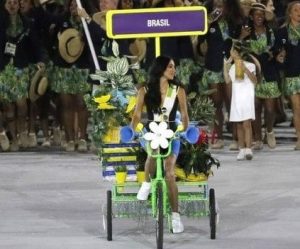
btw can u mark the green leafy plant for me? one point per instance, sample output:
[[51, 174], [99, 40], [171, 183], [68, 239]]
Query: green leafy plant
[[201, 108], [185, 69], [196, 158], [121, 168], [112, 102]]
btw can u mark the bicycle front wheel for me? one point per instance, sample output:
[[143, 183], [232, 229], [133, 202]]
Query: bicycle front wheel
[[159, 217]]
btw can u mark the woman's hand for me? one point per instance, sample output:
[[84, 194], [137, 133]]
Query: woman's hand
[[41, 66], [245, 31], [82, 13]]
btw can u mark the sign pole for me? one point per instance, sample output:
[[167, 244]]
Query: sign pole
[[88, 36], [157, 46]]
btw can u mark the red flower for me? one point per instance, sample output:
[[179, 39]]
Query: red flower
[[203, 138]]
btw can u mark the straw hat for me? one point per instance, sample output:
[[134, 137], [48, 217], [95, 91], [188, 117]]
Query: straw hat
[[247, 3], [70, 45], [45, 1], [259, 6], [38, 85], [100, 19], [138, 48], [155, 2]]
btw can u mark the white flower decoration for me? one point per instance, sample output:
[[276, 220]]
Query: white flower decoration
[[159, 135]]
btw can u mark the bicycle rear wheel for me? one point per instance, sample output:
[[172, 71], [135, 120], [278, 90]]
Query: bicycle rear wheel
[[109, 215], [159, 217], [212, 214]]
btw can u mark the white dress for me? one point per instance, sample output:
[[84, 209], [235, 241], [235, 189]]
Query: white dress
[[242, 99]]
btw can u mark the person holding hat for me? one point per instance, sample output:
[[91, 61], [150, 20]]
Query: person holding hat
[[20, 43], [39, 101], [287, 49], [72, 64], [261, 39], [242, 75], [219, 37]]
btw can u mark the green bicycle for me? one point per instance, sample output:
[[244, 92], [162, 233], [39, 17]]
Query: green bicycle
[[159, 201]]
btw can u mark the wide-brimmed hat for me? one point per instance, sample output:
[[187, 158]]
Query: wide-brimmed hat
[[45, 1], [138, 48], [247, 3], [70, 45], [100, 19], [269, 15], [38, 85]]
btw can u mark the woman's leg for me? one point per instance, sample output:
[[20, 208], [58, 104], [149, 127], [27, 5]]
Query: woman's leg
[[247, 131], [149, 168], [33, 109], [240, 135], [217, 99], [257, 133], [295, 100], [146, 186], [44, 107], [10, 114], [170, 177], [171, 181], [22, 111], [68, 116], [4, 142], [248, 139], [270, 115], [82, 122]]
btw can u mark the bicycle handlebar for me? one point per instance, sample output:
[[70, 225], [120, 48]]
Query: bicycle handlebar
[[190, 135]]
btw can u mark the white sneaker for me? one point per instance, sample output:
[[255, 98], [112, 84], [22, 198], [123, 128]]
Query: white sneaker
[[82, 145], [177, 225], [144, 191], [31, 140], [4, 142], [241, 155], [248, 154]]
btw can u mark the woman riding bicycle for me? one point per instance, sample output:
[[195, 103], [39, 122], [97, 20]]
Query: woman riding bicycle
[[162, 96]]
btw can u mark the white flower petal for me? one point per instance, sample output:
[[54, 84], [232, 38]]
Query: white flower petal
[[154, 127], [162, 127], [154, 144], [149, 136], [168, 133], [163, 142]]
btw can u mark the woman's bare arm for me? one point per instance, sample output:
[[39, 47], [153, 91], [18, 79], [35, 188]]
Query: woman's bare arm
[[136, 117], [183, 107]]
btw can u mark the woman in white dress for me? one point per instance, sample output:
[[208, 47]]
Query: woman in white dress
[[242, 75]]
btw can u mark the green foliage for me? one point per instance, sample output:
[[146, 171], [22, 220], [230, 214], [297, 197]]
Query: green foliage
[[109, 102], [121, 168], [196, 158], [185, 69], [140, 75], [201, 108]]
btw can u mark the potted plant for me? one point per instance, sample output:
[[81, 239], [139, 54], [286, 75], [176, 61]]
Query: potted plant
[[195, 160], [121, 174], [113, 101]]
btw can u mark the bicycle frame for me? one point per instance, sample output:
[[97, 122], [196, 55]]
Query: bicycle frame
[[159, 178]]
